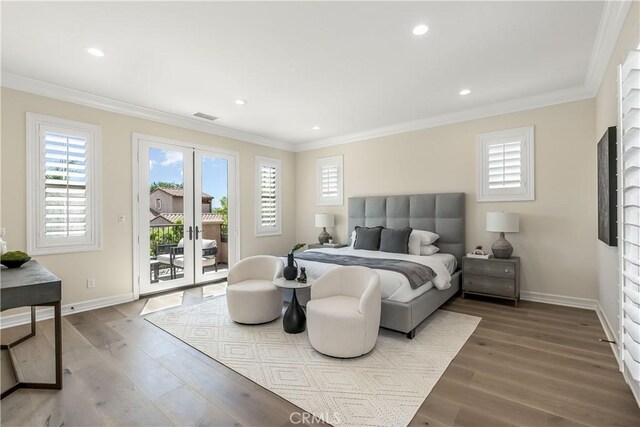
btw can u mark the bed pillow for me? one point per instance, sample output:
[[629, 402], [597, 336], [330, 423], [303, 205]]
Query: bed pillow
[[368, 238], [395, 241], [353, 239], [427, 237], [429, 250], [420, 238]]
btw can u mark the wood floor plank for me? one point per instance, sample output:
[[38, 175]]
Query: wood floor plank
[[96, 332], [147, 374], [250, 406], [151, 340], [534, 365], [18, 410], [185, 407], [547, 364]]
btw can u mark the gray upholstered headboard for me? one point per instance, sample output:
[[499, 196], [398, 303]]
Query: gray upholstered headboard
[[443, 214]]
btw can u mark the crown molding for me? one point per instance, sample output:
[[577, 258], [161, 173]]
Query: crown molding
[[512, 106], [39, 87], [613, 16]]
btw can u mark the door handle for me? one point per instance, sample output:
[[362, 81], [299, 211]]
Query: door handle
[[190, 233], [197, 232]]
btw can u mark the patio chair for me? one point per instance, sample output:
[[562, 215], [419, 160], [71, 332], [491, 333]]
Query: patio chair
[[173, 255]]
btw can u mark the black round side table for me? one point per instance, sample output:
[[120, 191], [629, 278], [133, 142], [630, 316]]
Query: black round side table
[[294, 320]]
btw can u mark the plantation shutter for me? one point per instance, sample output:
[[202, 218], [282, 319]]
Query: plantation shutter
[[329, 181], [65, 185], [630, 182], [504, 164], [268, 196]]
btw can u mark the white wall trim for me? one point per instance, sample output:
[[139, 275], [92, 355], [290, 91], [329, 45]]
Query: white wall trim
[[47, 312], [611, 22], [567, 301], [38, 87], [609, 332], [550, 98]]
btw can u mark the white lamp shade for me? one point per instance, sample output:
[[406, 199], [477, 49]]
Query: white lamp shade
[[325, 220], [503, 222]]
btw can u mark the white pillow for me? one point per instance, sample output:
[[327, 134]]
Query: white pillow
[[428, 238], [420, 238], [429, 249], [353, 238]]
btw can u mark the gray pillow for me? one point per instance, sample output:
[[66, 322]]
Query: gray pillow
[[368, 238], [395, 241]]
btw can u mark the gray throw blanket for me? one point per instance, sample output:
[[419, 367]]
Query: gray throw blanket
[[417, 274]]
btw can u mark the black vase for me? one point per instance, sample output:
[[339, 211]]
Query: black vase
[[291, 270]]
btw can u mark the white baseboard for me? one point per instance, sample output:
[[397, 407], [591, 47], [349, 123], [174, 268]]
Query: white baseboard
[[589, 304], [47, 312], [609, 332]]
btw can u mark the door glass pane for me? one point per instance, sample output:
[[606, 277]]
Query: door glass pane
[[215, 221], [166, 215]]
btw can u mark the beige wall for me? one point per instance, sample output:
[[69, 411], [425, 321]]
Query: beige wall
[[607, 115], [558, 229], [112, 266]]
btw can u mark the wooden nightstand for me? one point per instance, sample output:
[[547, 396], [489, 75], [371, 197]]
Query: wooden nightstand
[[492, 277], [326, 245]]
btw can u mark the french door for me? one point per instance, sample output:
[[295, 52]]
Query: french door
[[187, 207]]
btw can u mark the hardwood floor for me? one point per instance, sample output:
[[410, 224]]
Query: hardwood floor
[[535, 365]]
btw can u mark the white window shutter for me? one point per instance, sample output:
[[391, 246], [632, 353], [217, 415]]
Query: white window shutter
[[505, 165], [268, 196], [63, 186], [329, 181], [629, 131]]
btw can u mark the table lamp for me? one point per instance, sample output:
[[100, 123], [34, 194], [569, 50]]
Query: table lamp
[[324, 221], [502, 222]]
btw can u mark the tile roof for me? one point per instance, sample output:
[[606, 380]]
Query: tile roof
[[179, 192], [207, 218]]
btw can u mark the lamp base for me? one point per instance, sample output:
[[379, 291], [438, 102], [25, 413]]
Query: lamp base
[[502, 249], [324, 237]]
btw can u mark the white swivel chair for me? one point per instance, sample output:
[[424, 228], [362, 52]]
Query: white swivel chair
[[252, 297], [343, 315]]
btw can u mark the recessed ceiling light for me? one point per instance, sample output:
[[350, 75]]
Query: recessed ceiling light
[[95, 52], [240, 101], [420, 30], [465, 92], [315, 128]]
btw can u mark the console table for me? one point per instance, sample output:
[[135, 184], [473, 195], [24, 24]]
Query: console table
[[32, 285]]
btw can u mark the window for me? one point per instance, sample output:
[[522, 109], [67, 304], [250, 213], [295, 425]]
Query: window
[[63, 186], [158, 205], [629, 149], [268, 197], [505, 165], [329, 181]]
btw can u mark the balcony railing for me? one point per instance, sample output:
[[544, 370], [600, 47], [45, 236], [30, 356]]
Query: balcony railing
[[161, 235]]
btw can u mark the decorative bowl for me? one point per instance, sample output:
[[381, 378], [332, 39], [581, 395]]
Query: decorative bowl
[[14, 259]]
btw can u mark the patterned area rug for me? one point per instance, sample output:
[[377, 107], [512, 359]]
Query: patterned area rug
[[383, 388]]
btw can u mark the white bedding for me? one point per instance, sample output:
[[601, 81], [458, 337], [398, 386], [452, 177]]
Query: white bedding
[[395, 286]]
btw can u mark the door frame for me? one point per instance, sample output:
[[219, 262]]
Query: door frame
[[135, 199]]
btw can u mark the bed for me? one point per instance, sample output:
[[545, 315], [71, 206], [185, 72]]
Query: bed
[[404, 308]]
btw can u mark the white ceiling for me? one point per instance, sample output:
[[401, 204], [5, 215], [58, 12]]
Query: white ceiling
[[346, 67]]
